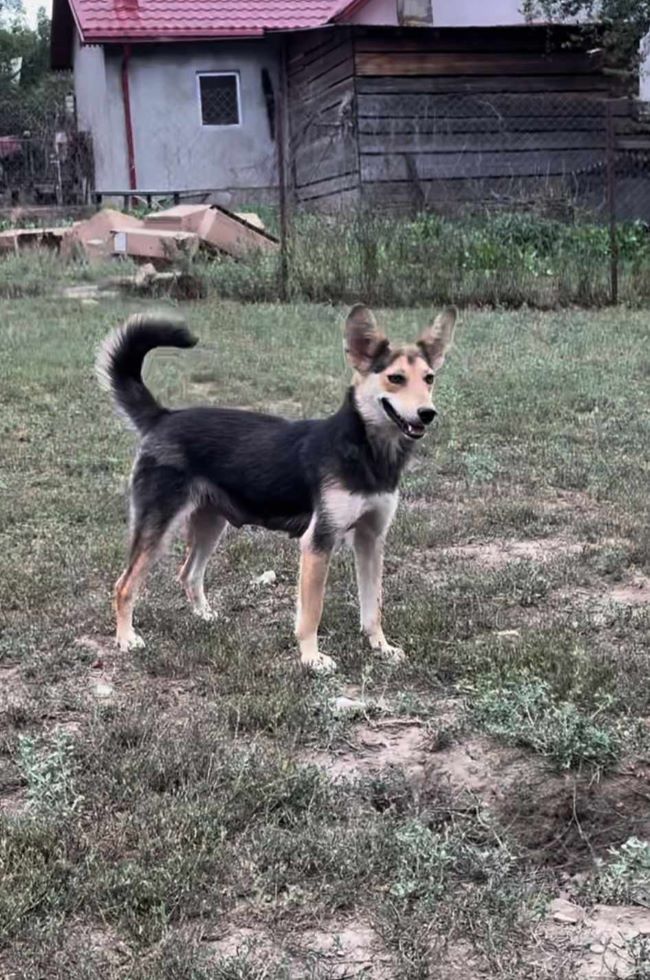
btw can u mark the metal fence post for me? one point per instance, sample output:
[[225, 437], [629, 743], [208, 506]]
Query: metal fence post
[[611, 203]]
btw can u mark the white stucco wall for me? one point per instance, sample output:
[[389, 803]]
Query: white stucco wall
[[487, 13], [447, 13], [173, 150], [378, 12], [99, 112], [477, 13]]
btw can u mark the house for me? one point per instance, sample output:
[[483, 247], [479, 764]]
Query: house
[[383, 102]]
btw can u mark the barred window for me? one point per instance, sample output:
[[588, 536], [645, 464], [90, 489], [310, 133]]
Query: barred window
[[219, 96]]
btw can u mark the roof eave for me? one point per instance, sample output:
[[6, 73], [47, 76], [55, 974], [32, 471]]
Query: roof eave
[[126, 37]]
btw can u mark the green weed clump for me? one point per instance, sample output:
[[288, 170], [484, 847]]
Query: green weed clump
[[525, 712], [501, 260], [623, 879], [494, 260]]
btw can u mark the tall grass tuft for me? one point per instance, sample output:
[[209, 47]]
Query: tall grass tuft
[[500, 260]]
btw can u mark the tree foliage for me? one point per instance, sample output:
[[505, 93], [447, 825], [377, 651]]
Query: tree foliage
[[618, 25], [24, 51], [31, 96]]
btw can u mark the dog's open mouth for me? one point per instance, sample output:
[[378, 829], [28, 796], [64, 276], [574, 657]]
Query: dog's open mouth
[[414, 430]]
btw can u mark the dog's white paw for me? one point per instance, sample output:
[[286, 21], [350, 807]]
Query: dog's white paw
[[386, 650], [205, 613], [319, 663], [132, 641]]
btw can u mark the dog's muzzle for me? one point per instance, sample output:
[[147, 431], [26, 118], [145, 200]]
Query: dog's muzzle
[[413, 430]]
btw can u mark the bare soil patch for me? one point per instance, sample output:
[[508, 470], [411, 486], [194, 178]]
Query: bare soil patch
[[598, 938], [632, 593], [345, 949], [560, 821], [243, 942], [376, 746], [339, 948], [498, 554]]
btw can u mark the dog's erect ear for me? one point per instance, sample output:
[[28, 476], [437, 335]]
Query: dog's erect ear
[[364, 341], [436, 339]]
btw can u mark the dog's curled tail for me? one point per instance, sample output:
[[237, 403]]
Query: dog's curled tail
[[119, 364]]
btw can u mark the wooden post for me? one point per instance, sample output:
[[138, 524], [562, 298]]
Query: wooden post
[[611, 204], [282, 137]]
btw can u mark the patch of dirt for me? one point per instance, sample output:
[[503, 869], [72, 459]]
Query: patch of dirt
[[498, 554], [346, 949], [242, 942], [634, 593], [598, 938], [339, 948], [560, 821], [375, 746], [479, 767]]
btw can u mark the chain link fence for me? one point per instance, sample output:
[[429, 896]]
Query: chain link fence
[[542, 195], [43, 159]]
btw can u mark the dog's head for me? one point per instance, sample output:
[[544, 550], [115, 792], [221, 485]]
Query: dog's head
[[394, 384]]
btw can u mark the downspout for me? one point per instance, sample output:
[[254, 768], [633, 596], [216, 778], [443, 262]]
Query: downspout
[[128, 123]]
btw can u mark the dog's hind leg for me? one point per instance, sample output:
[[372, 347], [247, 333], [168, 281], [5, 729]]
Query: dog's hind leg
[[206, 525], [158, 497], [143, 552]]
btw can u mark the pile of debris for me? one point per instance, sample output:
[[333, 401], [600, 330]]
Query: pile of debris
[[161, 237]]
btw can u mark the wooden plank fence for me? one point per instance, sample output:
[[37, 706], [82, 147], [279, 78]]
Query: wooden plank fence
[[397, 118]]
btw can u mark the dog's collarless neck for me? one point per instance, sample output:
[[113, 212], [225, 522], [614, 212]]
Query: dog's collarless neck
[[367, 460]]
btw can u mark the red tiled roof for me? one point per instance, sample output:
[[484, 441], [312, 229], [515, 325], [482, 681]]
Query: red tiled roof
[[149, 20]]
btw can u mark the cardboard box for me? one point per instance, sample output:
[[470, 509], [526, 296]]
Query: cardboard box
[[223, 230], [94, 238], [147, 243], [183, 217]]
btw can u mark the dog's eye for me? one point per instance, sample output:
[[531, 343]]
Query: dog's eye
[[429, 379], [396, 379]]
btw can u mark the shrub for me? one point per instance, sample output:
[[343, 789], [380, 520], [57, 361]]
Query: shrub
[[524, 712]]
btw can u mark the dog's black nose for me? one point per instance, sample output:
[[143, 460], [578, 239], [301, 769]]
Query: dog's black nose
[[427, 415]]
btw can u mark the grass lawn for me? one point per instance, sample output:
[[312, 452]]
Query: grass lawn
[[205, 809]]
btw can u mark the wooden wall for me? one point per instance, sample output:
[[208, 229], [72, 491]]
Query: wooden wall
[[452, 117], [399, 118], [322, 118]]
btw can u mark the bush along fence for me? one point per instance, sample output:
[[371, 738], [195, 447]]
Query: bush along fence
[[43, 157], [501, 199]]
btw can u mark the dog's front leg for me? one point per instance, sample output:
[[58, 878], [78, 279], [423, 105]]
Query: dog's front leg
[[369, 563], [314, 566]]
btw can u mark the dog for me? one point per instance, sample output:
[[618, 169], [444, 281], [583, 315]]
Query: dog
[[320, 480]]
